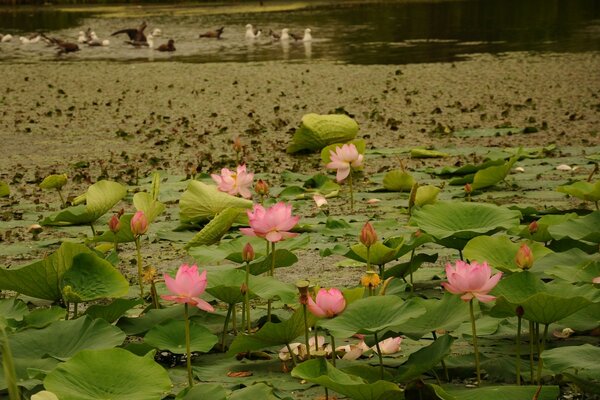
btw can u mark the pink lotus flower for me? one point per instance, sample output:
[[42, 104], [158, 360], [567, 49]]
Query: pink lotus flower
[[139, 223], [389, 346], [471, 280], [343, 159], [187, 287], [329, 303], [272, 223], [238, 182]]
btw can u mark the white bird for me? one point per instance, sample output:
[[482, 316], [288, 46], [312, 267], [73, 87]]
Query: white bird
[[81, 37], [7, 38], [26, 40], [150, 41], [156, 32], [251, 33], [307, 36], [285, 34]]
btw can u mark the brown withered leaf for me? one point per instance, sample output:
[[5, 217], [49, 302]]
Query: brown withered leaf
[[239, 374]]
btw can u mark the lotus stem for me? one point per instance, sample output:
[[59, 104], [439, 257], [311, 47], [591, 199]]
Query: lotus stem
[[271, 274], [412, 285], [518, 351], [537, 344], [225, 326], [446, 374], [474, 333], [188, 352], [154, 295], [234, 319], [62, 200], [461, 255], [68, 305], [292, 356], [247, 299], [10, 375], [333, 353], [368, 258], [139, 266], [379, 354], [306, 335], [93, 229], [540, 360], [351, 192], [75, 310], [531, 338]]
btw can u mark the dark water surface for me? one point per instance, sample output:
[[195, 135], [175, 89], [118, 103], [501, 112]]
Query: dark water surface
[[392, 32]]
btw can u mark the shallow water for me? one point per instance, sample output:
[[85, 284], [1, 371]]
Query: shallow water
[[354, 33]]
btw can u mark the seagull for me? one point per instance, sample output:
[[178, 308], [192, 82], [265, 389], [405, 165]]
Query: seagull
[[156, 32], [307, 36], [252, 33], [213, 34], [6, 38], [30, 39], [170, 46], [135, 35], [81, 37], [285, 34]]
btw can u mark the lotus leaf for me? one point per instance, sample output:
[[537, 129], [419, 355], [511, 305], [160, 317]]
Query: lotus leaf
[[4, 189], [585, 228], [424, 153], [398, 181], [424, 359], [567, 260], [100, 197], [113, 311], [92, 278], [380, 254], [23, 371], [225, 286], [504, 392], [210, 391], [117, 374], [42, 317], [256, 391], [490, 176], [426, 195], [201, 202], [152, 208], [500, 252], [54, 181], [13, 309], [581, 360], [318, 131], [323, 373], [445, 314], [468, 169], [543, 224], [44, 395], [170, 335], [586, 191], [581, 273], [216, 228], [360, 144]]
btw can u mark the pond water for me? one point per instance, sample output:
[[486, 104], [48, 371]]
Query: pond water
[[392, 32]]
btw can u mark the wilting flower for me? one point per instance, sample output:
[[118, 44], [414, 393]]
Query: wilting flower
[[139, 223], [114, 224], [261, 188], [471, 280], [272, 223], [328, 304], [319, 200], [238, 182], [343, 159], [187, 287], [370, 279], [368, 236], [353, 351], [390, 345], [524, 257]]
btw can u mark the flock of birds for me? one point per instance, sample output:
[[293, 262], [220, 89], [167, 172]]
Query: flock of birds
[[137, 38]]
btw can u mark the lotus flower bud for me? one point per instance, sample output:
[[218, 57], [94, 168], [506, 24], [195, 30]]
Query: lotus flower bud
[[244, 288], [468, 188], [237, 144], [139, 223], [248, 253], [261, 188], [368, 236], [533, 227], [370, 279], [520, 311], [114, 224], [303, 290], [524, 257]]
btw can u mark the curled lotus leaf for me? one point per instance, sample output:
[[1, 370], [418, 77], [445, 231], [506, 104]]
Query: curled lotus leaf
[[398, 181], [201, 202], [318, 131], [586, 191], [55, 181]]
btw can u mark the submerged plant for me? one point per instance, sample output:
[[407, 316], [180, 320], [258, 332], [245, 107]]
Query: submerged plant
[[344, 159], [472, 281]]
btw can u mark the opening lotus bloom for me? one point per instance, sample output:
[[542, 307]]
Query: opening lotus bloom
[[272, 223], [187, 287], [329, 303], [343, 159], [471, 280], [234, 183]]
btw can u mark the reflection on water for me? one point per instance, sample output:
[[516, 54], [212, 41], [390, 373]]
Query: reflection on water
[[392, 32]]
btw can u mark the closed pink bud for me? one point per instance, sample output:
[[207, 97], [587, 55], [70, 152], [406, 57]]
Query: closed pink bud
[[248, 253], [533, 227], [368, 236], [139, 223], [468, 188], [524, 257], [237, 144], [114, 224], [261, 188]]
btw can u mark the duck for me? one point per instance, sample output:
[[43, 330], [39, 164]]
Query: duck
[[213, 34], [134, 34], [97, 42], [252, 33], [170, 46]]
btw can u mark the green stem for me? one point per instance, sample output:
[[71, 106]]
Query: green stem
[[187, 346], [225, 326], [10, 375], [247, 299], [234, 319], [68, 305], [139, 266], [518, 350], [474, 333], [75, 310], [446, 374], [306, 337], [461, 255], [540, 360], [62, 200], [292, 356], [351, 192], [316, 337], [537, 344], [272, 272], [379, 354], [368, 258], [531, 338], [154, 296], [412, 285], [333, 354], [93, 229]]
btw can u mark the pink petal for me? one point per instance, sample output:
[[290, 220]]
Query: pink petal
[[342, 174], [315, 309], [203, 305]]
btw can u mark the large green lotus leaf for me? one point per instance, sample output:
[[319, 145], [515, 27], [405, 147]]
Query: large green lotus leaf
[[272, 334], [424, 153], [114, 374], [581, 360], [23, 368], [123, 236], [13, 309], [152, 208], [586, 191], [170, 335], [373, 315], [490, 176], [54, 181], [283, 258], [463, 220], [216, 228], [4, 189], [467, 169], [323, 373], [582, 273], [92, 278], [424, 359], [63, 339], [585, 228], [380, 254], [504, 392], [113, 311], [404, 269], [544, 223], [445, 314], [567, 259], [42, 278], [100, 197], [145, 322], [398, 181], [426, 195], [360, 144], [201, 202], [225, 285], [500, 251], [318, 131], [202, 391], [586, 319], [257, 391]]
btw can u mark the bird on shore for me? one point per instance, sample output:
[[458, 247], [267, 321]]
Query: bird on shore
[[135, 34], [169, 46], [156, 32], [6, 38], [285, 34], [307, 37], [63, 46], [33, 38], [252, 33], [274, 35], [216, 34]]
